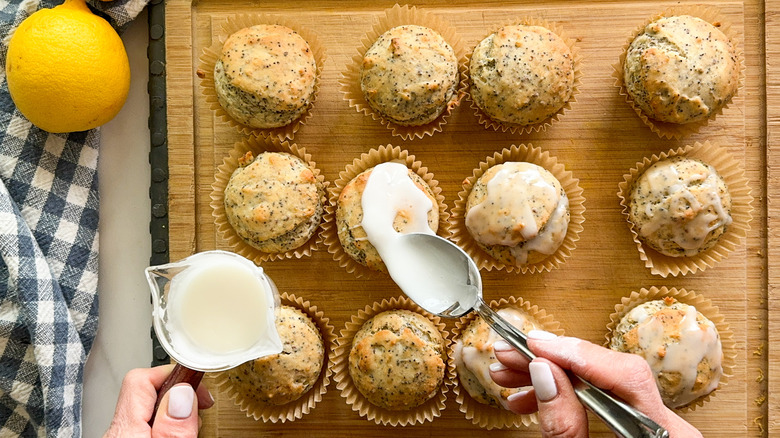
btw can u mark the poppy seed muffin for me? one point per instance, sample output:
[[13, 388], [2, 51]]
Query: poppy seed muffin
[[473, 354], [680, 206], [265, 76], [681, 69], [681, 345], [274, 201], [518, 213], [397, 360], [349, 218], [521, 74], [283, 378], [409, 75]]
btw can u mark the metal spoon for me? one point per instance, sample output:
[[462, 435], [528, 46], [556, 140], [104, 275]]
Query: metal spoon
[[449, 267]]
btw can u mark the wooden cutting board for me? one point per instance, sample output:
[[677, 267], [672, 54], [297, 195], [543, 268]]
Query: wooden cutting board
[[599, 140]]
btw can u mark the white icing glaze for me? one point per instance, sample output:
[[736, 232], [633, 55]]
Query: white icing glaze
[[551, 236], [513, 195], [220, 310], [711, 215], [696, 342], [478, 360], [388, 191], [431, 283]]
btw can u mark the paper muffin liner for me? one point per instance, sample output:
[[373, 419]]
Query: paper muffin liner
[[296, 409], [210, 55], [418, 415], [527, 153], [514, 128], [394, 17], [703, 306], [482, 415], [675, 130], [382, 154], [741, 207], [224, 171]]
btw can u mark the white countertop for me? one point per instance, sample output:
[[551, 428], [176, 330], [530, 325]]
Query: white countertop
[[123, 341]]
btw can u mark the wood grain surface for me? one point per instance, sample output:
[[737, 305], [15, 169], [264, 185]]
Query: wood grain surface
[[772, 69], [599, 140]]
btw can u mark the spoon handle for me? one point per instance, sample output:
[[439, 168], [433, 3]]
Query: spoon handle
[[507, 331], [624, 420]]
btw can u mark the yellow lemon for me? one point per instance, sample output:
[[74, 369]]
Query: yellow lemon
[[67, 69]]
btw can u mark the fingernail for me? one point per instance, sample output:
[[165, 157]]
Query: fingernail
[[501, 345], [497, 366], [541, 335], [180, 400], [517, 395], [543, 381], [211, 397]]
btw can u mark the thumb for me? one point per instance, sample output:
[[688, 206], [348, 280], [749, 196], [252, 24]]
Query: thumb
[[560, 413], [178, 413]]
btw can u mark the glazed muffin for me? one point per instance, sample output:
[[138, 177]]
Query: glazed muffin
[[473, 354], [409, 75], [397, 360], [681, 69], [518, 213], [521, 74], [285, 377], [274, 202], [681, 345], [680, 206], [265, 76], [407, 218]]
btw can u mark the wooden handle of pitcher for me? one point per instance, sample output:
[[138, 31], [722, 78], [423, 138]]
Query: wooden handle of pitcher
[[180, 374]]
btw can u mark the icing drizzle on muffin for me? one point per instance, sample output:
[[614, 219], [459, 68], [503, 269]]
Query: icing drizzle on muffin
[[682, 347], [680, 206], [522, 206]]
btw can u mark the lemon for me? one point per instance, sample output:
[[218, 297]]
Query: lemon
[[67, 69]]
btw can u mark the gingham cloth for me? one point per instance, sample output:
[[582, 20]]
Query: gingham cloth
[[49, 255]]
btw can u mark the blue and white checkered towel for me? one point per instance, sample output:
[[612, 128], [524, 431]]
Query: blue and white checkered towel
[[49, 255]]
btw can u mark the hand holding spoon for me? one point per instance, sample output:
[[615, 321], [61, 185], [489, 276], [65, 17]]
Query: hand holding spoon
[[442, 279]]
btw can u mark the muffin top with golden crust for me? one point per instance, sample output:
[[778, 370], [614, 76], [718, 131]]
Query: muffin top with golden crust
[[681, 69], [398, 360]]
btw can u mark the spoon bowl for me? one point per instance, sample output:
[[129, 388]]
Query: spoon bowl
[[448, 267], [454, 286], [442, 279]]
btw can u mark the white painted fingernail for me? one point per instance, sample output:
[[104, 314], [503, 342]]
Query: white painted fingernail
[[517, 395], [541, 335], [180, 400], [543, 381], [501, 345], [497, 366]]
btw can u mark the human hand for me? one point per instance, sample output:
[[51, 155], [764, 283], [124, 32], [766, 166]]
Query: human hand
[[176, 416], [561, 415]]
